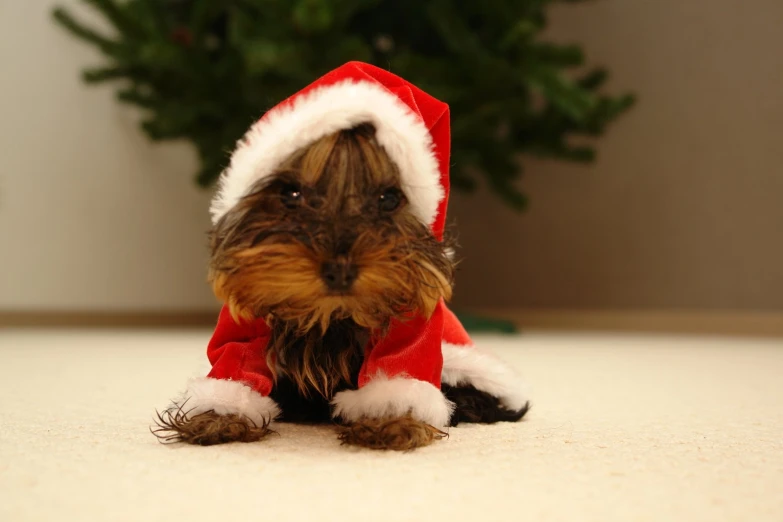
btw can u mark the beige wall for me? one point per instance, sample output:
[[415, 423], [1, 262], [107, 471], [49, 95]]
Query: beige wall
[[685, 206], [683, 209], [91, 215]]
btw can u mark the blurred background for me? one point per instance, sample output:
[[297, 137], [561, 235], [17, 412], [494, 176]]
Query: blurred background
[[677, 225]]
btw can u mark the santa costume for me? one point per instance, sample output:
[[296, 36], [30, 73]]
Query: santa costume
[[402, 371]]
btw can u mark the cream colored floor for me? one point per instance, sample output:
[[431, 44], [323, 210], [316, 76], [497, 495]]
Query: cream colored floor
[[623, 428]]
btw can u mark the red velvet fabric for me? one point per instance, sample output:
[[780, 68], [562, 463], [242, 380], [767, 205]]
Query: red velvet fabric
[[237, 352], [411, 348]]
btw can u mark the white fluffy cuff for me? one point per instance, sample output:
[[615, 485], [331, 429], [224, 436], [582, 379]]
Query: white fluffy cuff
[[470, 365], [227, 397], [384, 397]]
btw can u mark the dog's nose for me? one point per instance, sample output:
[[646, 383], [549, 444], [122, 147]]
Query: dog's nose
[[339, 274]]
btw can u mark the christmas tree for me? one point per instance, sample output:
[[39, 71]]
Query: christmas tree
[[205, 70]]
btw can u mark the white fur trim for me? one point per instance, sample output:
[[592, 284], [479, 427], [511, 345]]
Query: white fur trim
[[485, 372], [325, 110], [225, 397], [384, 397]]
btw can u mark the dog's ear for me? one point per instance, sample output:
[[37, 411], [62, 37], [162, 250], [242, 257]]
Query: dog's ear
[[221, 280], [223, 229], [227, 231], [217, 254], [223, 239]]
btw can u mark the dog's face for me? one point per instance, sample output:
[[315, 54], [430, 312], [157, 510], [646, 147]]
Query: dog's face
[[330, 236]]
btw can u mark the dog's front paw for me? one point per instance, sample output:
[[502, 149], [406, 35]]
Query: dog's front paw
[[399, 434], [208, 428]]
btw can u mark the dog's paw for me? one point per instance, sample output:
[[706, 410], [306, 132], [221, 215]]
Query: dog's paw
[[398, 434], [206, 429]]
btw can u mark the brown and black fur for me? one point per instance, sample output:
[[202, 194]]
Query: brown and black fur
[[306, 398], [268, 252], [472, 405], [206, 429], [336, 207]]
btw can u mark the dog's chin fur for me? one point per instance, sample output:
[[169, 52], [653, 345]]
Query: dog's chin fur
[[267, 254], [281, 283]]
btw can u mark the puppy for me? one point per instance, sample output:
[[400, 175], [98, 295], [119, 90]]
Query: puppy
[[335, 286]]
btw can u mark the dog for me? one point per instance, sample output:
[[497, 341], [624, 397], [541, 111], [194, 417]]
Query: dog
[[334, 292]]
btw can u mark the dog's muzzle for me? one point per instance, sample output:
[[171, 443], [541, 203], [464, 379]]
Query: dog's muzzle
[[339, 274]]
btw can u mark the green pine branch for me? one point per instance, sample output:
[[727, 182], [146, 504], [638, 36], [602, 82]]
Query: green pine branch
[[118, 17], [106, 45], [204, 70]]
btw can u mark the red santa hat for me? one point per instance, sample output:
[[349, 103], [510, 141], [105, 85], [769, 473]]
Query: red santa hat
[[411, 126]]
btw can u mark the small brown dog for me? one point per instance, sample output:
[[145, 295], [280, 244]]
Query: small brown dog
[[331, 262]]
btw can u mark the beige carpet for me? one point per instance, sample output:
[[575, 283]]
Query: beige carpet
[[622, 428]]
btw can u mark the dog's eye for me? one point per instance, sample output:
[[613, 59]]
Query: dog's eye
[[291, 195], [390, 200]]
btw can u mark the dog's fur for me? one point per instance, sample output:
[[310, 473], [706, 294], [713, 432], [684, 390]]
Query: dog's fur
[[268, 251], [338, 200], [206, 429], [402, 434]]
